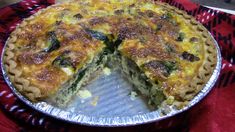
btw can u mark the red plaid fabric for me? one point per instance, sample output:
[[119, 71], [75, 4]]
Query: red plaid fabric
[[214, 113]]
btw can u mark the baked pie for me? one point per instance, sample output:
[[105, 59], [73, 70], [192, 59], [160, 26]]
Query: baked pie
[[166, 54]]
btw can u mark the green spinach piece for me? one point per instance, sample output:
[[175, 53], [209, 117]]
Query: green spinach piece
[[63, 61], [107, 39], [181, 36], [170, 66], [52, 43]]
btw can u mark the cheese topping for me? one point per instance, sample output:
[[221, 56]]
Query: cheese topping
[[61, 40]]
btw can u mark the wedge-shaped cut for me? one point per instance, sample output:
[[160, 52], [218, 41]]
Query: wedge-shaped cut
[[79, 79]]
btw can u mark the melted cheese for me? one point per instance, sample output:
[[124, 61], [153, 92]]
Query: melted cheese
[[142, 42]]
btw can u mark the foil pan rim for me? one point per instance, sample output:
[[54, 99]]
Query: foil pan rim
[[78, 118]]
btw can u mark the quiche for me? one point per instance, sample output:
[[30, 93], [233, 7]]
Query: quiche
[[166, 54]]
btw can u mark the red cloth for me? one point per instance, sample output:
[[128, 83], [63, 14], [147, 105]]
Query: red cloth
[[214, 113], [7, 124]]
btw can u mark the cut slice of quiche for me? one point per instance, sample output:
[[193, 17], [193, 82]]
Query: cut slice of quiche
[[164, 52]]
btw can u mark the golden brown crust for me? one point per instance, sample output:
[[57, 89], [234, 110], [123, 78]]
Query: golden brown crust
[[22, 84], [206, 69]]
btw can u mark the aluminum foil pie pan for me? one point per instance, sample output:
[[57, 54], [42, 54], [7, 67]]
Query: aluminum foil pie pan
[[111, 104]]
